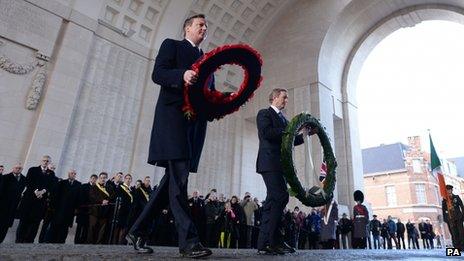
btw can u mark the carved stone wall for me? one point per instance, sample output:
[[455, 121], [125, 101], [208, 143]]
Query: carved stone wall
[[101, 136]]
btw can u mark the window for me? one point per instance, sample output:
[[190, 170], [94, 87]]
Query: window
[[437, 195], [420, 194], [391, 195], [417, 166]]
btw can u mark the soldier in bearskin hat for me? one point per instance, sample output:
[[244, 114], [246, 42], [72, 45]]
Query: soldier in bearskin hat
[[360, 221]]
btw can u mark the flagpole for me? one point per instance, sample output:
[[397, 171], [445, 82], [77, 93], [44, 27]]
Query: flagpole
[[441, 181]]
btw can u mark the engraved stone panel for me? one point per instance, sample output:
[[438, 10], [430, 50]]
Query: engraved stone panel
[[103, 128], [29, 25]]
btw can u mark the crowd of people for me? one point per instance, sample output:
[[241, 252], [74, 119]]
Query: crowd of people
[[105, 208]]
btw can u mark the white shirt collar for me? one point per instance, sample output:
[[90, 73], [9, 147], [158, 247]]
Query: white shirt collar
[[275, 109], [191, 43]]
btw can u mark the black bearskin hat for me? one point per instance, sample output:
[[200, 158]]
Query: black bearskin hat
[[358, 196]]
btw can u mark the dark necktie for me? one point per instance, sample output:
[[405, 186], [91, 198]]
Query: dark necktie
[[18, 176], [282, 117]]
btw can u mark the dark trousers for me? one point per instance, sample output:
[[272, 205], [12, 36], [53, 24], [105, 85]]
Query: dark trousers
[[302, 237], [43, 236], [276, 200], [81, 233], [212, 235], [3, 230], [172, 189], [400, 240], [430, 238], [345, 241], [425, 242], [97, 230], [457, 233], [313, 239], [57, 233], [390, 244], [254, 237], [27, 230], [376, 239]]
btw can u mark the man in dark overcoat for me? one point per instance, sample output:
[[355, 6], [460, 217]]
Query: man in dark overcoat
[[176, 143], [12, 186]]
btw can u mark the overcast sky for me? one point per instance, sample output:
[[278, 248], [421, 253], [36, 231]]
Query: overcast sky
[[413, 81]]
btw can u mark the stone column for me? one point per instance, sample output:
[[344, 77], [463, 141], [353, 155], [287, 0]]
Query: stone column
[[56, 111]]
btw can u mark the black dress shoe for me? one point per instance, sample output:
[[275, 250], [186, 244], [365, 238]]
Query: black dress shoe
[[287, 249], [268, 250], [196, 251], [139, 244]]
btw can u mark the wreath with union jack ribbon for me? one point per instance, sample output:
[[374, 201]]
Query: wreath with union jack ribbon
[[315, 196]]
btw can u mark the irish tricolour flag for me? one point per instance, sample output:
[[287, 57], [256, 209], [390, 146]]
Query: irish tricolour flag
[[436, 168]]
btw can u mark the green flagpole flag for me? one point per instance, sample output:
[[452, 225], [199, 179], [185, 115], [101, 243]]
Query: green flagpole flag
[[435, 161], [436, 168]]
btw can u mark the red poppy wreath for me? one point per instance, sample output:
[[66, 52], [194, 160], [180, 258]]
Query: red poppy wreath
[[202, 100]]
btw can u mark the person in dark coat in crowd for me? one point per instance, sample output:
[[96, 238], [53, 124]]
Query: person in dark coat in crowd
[[239, 221], [345, 226], [176, 143], [82, 213], [212, 212], [229, 228], [125, 194], [63, 202], [141, 198], [400, 229], [197, 212], [99, 198], [313, 226], [165, 230], [391, 233], [455, 219], [147, 185], [46, 222], [11, 187], [423, 229], [430, 234], [257, 223], [360, 221], [39, 183], [288, 226], [375, 227], [300, 234], [384, 234], [410, 227]]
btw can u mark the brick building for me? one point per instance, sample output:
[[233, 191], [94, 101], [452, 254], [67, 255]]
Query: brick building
[[398, 182]]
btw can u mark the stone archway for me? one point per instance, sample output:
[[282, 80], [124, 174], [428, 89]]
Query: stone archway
[[358, 29]]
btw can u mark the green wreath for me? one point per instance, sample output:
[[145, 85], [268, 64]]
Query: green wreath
[[316, 196]]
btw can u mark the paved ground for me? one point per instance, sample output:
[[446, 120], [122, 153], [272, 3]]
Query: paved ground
[[48, 252]]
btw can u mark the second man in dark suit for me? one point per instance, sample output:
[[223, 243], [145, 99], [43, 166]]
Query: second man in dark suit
[[271, 125]]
